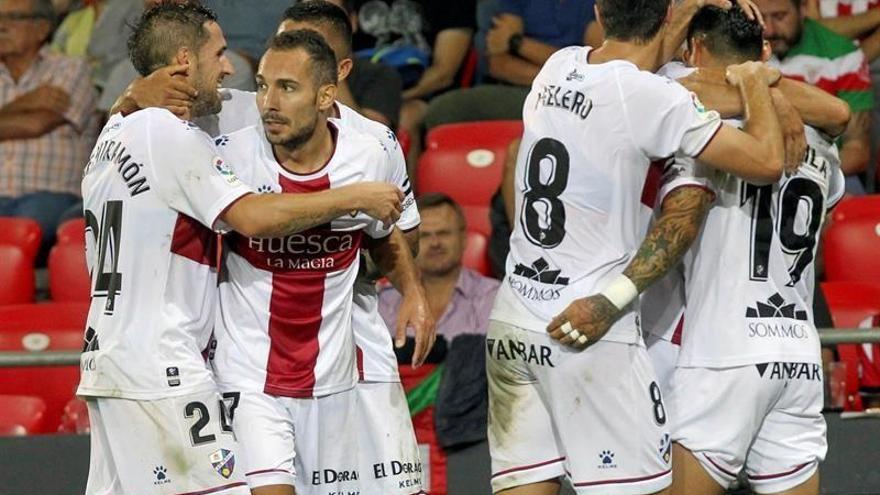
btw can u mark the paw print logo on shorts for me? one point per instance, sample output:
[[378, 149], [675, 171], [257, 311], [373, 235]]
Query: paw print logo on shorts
[[264, 189], [221, 140], [161, 475], [607, 458]]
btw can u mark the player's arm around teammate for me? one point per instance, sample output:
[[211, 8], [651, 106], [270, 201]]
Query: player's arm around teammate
[[756, 155], [395, 260]]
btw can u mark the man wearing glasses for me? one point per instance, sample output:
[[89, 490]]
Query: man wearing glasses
[[46, 109]]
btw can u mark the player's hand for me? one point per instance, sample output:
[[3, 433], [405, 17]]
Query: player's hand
[[45, 97], [504, 26], [165, 88], [414, 313], [738, 73], [379, 200], [751, 10], [792, 132], [590, 317]]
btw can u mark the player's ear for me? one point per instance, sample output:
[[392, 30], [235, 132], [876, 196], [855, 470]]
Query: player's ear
[[598, 15], [344, 68], [326, 96], [184, 56], [766, 51]]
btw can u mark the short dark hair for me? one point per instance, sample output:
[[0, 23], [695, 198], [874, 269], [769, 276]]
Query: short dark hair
[[164, 29], [320, 53], [323, 13], [632, 20], [437, 199], [728, 33]]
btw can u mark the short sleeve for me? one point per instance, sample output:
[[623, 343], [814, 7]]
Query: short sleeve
[[836, 188], [684, 171], [189, 172], [664, 118], [409, 217]]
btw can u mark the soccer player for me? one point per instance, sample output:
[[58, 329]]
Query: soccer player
[[747, 389], [153, 189], [285, 350], [594, 121], [383, 419]]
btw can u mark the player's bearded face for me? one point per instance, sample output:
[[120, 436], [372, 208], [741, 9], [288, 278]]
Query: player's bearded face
[[290, 132], [212, 66]]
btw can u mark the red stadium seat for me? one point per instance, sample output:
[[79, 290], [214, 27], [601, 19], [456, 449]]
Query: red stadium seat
[[72, 231], [75, 418], [852, 302], [43, 316], [16, 275], [21, 414], [851, 248], [476, 253], [466, 160], [41, 340], [68, 275], [856, 207], [22, 232], [56, 385], [477, 219]]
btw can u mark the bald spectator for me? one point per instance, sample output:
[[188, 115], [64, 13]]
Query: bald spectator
[[806, 50], [46, 129], [460, 298]]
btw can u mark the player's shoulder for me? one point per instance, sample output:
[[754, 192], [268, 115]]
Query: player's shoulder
[[674, 70], [247, 140], [351, 118], [356, 140], [163, 130], [562, 61]]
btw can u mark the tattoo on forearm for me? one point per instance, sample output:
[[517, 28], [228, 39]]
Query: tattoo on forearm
[[669, 237]]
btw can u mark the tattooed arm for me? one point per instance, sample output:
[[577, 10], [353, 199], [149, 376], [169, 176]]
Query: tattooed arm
[[681, 217]]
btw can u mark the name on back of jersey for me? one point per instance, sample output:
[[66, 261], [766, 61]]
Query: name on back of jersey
[[576, 102], [114, 153]]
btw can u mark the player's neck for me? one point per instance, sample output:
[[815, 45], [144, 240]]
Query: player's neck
[[312, 155], [644, 56]]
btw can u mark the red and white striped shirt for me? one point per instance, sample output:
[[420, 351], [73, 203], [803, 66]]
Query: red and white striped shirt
[[285, 324]]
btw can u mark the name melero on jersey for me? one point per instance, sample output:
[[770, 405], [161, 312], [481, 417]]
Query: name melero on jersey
[[554, 96], [131, 172]]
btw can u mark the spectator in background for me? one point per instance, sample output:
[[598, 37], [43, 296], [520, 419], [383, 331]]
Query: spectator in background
[[428, 40], [460, 299], [806, 50], [123, 73], [46, 129], [858, 20], [248, 25], [372, 89], [521, 38], [97, 33]]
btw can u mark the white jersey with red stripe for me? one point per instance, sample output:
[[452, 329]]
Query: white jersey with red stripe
[[591, 134], [843, 8], [285, 325], [750, 273], [376, 359], [153, 189]]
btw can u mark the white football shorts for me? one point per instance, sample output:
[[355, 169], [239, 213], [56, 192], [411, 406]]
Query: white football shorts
[[766, 418], [390, 463], [178, 445], [595, 416]]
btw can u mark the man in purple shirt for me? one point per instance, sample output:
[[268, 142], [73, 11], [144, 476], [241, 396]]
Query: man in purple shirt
[[460, 299]]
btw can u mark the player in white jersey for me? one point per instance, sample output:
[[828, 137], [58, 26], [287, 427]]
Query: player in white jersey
[[153, 191], [594, 121], [383, 421], [284, 341], [747, 391]]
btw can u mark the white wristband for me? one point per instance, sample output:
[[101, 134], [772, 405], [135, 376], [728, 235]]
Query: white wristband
[[621, 291]]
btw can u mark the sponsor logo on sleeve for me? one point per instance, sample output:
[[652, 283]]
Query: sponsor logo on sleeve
[[226, 171]]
